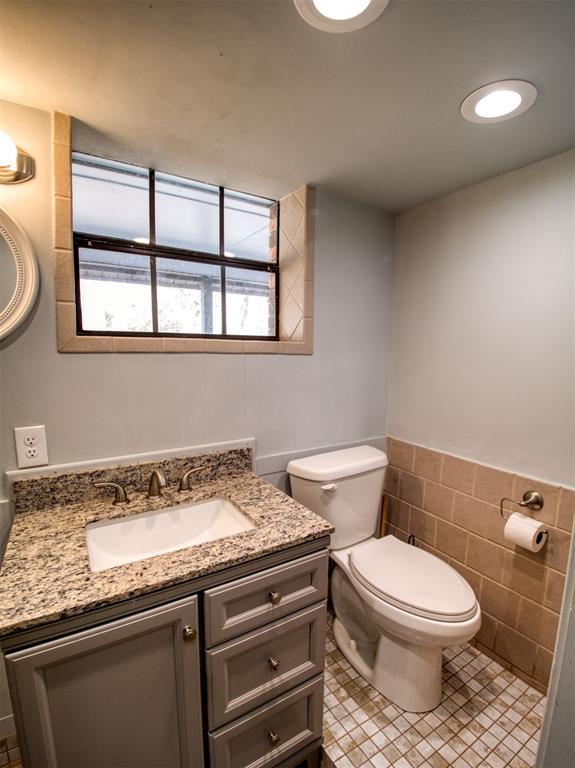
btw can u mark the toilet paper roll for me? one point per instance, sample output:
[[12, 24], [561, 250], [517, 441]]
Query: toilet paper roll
[[525, 532]]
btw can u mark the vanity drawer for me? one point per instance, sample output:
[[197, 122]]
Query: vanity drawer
[[254, 668], [273, 732], [245, 604]]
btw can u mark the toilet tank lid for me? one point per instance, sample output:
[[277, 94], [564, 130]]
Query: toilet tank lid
[[337, 464]]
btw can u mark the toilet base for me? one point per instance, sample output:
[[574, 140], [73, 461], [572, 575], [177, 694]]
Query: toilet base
[[409, 675]]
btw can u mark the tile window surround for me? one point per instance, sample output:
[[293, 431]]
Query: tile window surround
[[451, 505], [296, 283]]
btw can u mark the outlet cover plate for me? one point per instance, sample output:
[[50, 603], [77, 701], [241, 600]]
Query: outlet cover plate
[[31, 446]]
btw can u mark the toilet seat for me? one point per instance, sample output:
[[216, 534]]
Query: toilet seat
[[413, 580]]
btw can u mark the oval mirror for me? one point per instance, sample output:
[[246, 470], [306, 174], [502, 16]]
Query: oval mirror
[[19, 276]]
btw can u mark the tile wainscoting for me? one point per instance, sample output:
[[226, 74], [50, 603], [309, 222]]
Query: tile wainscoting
[[451, 506]]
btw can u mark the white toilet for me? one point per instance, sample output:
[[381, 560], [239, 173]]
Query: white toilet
[[411, 604]]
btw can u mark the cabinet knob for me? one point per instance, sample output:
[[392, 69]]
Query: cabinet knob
[[189, 634], [274, 738], [275, 598], [274, 663]]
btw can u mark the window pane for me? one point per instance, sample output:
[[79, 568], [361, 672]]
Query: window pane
[[110, 198], [189, 297], [115, 291], [250, 302], [187, 214], [250, 227]]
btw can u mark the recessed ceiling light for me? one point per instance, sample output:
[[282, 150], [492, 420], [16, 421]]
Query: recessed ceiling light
[[499, 101], [340, 15]]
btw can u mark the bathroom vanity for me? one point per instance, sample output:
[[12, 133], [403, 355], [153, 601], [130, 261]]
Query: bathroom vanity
[[221, 669]]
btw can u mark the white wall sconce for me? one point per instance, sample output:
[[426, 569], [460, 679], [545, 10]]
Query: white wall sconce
[[15, 165], [340, 15]]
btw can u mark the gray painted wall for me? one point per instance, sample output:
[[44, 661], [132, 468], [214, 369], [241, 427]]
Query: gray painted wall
[[106, 405], [483, 322]]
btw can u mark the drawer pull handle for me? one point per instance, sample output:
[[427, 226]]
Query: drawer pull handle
[[275, 598], [274, 738], [274, 663], [189, 634]]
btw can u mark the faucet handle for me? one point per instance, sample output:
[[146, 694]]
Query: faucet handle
[[185, 478], [120, 495]]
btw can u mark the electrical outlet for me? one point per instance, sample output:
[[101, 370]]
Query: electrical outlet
[[31, 446]]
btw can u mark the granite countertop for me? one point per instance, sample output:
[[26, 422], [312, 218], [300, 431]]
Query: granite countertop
[[46, 574]]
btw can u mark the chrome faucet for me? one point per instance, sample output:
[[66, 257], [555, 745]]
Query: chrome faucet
[[185, 478], [157, 482], [120, 495]]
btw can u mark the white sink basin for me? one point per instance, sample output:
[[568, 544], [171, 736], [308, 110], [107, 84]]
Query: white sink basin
[[127, 539]]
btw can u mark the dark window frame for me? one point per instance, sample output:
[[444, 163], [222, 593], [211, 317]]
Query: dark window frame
[[154, 251]]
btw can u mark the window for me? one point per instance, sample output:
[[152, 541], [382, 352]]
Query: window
[[160, 255]]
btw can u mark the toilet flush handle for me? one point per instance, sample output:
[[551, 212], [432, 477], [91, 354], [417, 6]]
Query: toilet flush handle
[[329, 487]]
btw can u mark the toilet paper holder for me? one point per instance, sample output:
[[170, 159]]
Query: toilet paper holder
[[531, 499]]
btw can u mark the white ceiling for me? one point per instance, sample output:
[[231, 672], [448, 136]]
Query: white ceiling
[[245, 94]]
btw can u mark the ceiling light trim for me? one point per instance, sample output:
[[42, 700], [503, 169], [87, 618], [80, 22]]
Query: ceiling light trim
[[524, 88], [310, 13]]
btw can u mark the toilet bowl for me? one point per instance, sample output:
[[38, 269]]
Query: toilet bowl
[[396, 606]]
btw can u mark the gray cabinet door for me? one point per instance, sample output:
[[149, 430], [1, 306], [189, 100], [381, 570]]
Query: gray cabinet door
[[248, 671], [122, 695]]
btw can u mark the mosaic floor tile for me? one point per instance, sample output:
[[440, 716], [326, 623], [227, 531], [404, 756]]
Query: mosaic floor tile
[[487, 717]]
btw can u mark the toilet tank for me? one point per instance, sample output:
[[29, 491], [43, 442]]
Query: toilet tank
[[344, 487]]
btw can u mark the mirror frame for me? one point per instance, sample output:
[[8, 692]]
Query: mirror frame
[[27, 275]]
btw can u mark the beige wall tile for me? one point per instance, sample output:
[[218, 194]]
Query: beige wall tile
[[308, 298], [474, 579], [543, 663], [538, 623], [263, 347], [66, 323], [485, 557], [556, 552], [411, 489], [398, 513], [458, 473], [401, 454], [65, 286], [226, 346], [135, 344], [515, 647], [399, 533], [62, 170], [173, 344], [438, 500], [566, 509], [427, 464], [63, 223], [492, 485], [391, 483], [422, 525], [554, 590], [550, 495], [90, 344], [297, 348], [524, 576], [496, 527], [62, 128], [451, 540], [499, 602], [486, 634], [470, 514]]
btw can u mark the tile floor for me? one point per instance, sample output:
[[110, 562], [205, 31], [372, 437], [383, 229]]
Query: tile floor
[[487, 717]]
